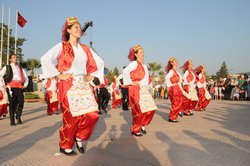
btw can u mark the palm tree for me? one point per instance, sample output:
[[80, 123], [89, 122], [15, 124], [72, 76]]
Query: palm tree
[[31, 64], [161, 74], [154, 67]]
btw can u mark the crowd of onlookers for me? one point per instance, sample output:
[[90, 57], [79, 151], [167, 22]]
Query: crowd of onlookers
[[230, 88]]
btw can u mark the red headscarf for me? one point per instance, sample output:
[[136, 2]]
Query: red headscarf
[[186, 64], [169, 65], [199, 68], [133, 51]]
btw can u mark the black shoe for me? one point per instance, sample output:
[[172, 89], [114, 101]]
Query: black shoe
[[137, 134], [4, 115], [181, 114], [125, 109], [189, 114], [100, 112], [80, 149], [204, 109], [19, 121], [13, 124], [56, 113], [105, 110], [174, 121], [143, 131], [72, 153]]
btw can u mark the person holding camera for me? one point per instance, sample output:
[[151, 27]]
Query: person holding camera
[[75, 65]]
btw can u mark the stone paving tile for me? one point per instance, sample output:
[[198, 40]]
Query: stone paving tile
[[219, 136]]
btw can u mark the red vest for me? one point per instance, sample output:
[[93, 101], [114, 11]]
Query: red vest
[[175, 78], [138, 74], [64, 63]]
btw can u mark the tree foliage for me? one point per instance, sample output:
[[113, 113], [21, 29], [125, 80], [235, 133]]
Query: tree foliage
[[116, 71], [112, 73], [223, 72], [31, 64], [154, 67], [19, 44]]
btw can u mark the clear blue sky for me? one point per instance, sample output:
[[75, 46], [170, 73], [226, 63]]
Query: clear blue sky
[[206, 31]]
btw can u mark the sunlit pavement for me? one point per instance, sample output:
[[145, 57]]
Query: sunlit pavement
[[218, 136]]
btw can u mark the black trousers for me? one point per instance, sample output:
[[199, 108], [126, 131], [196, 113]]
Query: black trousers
[[103, 98], [16, 102], [125, 101]]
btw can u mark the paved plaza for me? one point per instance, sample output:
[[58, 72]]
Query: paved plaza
[[219, 136]]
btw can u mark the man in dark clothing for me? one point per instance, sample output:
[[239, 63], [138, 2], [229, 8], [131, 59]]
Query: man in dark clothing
[[16, 80]]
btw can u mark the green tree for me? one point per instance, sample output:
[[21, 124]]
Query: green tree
[[109, 75], [223, 72], [31, 64], [162, 75], [154, 67], [19, 44], [116, 71]]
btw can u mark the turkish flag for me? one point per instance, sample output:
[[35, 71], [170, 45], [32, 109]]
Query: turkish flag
[[20, 20]]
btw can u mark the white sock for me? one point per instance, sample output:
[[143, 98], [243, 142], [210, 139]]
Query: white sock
[[68, 150], [79, 142], [143, 127]]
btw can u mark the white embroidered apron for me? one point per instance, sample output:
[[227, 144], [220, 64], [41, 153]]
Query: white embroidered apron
[[193, 94], [146, 101], [54, 97], [207, 95], [81, 98], [5, 97]]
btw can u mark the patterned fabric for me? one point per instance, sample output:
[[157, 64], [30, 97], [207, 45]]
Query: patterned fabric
[[146, 101], [65, 61], [80, 97]]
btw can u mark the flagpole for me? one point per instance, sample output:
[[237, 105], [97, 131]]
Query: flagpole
[[8, 41], [1, 53], [16, 32]]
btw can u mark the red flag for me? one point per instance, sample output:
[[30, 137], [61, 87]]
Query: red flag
[[20, 20]]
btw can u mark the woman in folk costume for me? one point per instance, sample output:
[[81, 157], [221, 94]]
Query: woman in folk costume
[[50, 85], [178, 97], [203, 94], [116, 95], [3, 98], [136, 75], [189, 84], [76, 65]]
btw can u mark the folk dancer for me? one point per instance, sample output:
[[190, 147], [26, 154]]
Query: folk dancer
[[136, 75], [203, 94], [16, 80], [177, 95], [189, 85], [3, 99], [124, 91], [103, 96], [50, 85], [76, 65], [115, 92]]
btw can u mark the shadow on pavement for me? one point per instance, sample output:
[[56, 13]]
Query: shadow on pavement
[[232, 116], [220, 151], [23, 144], [116, 150]]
